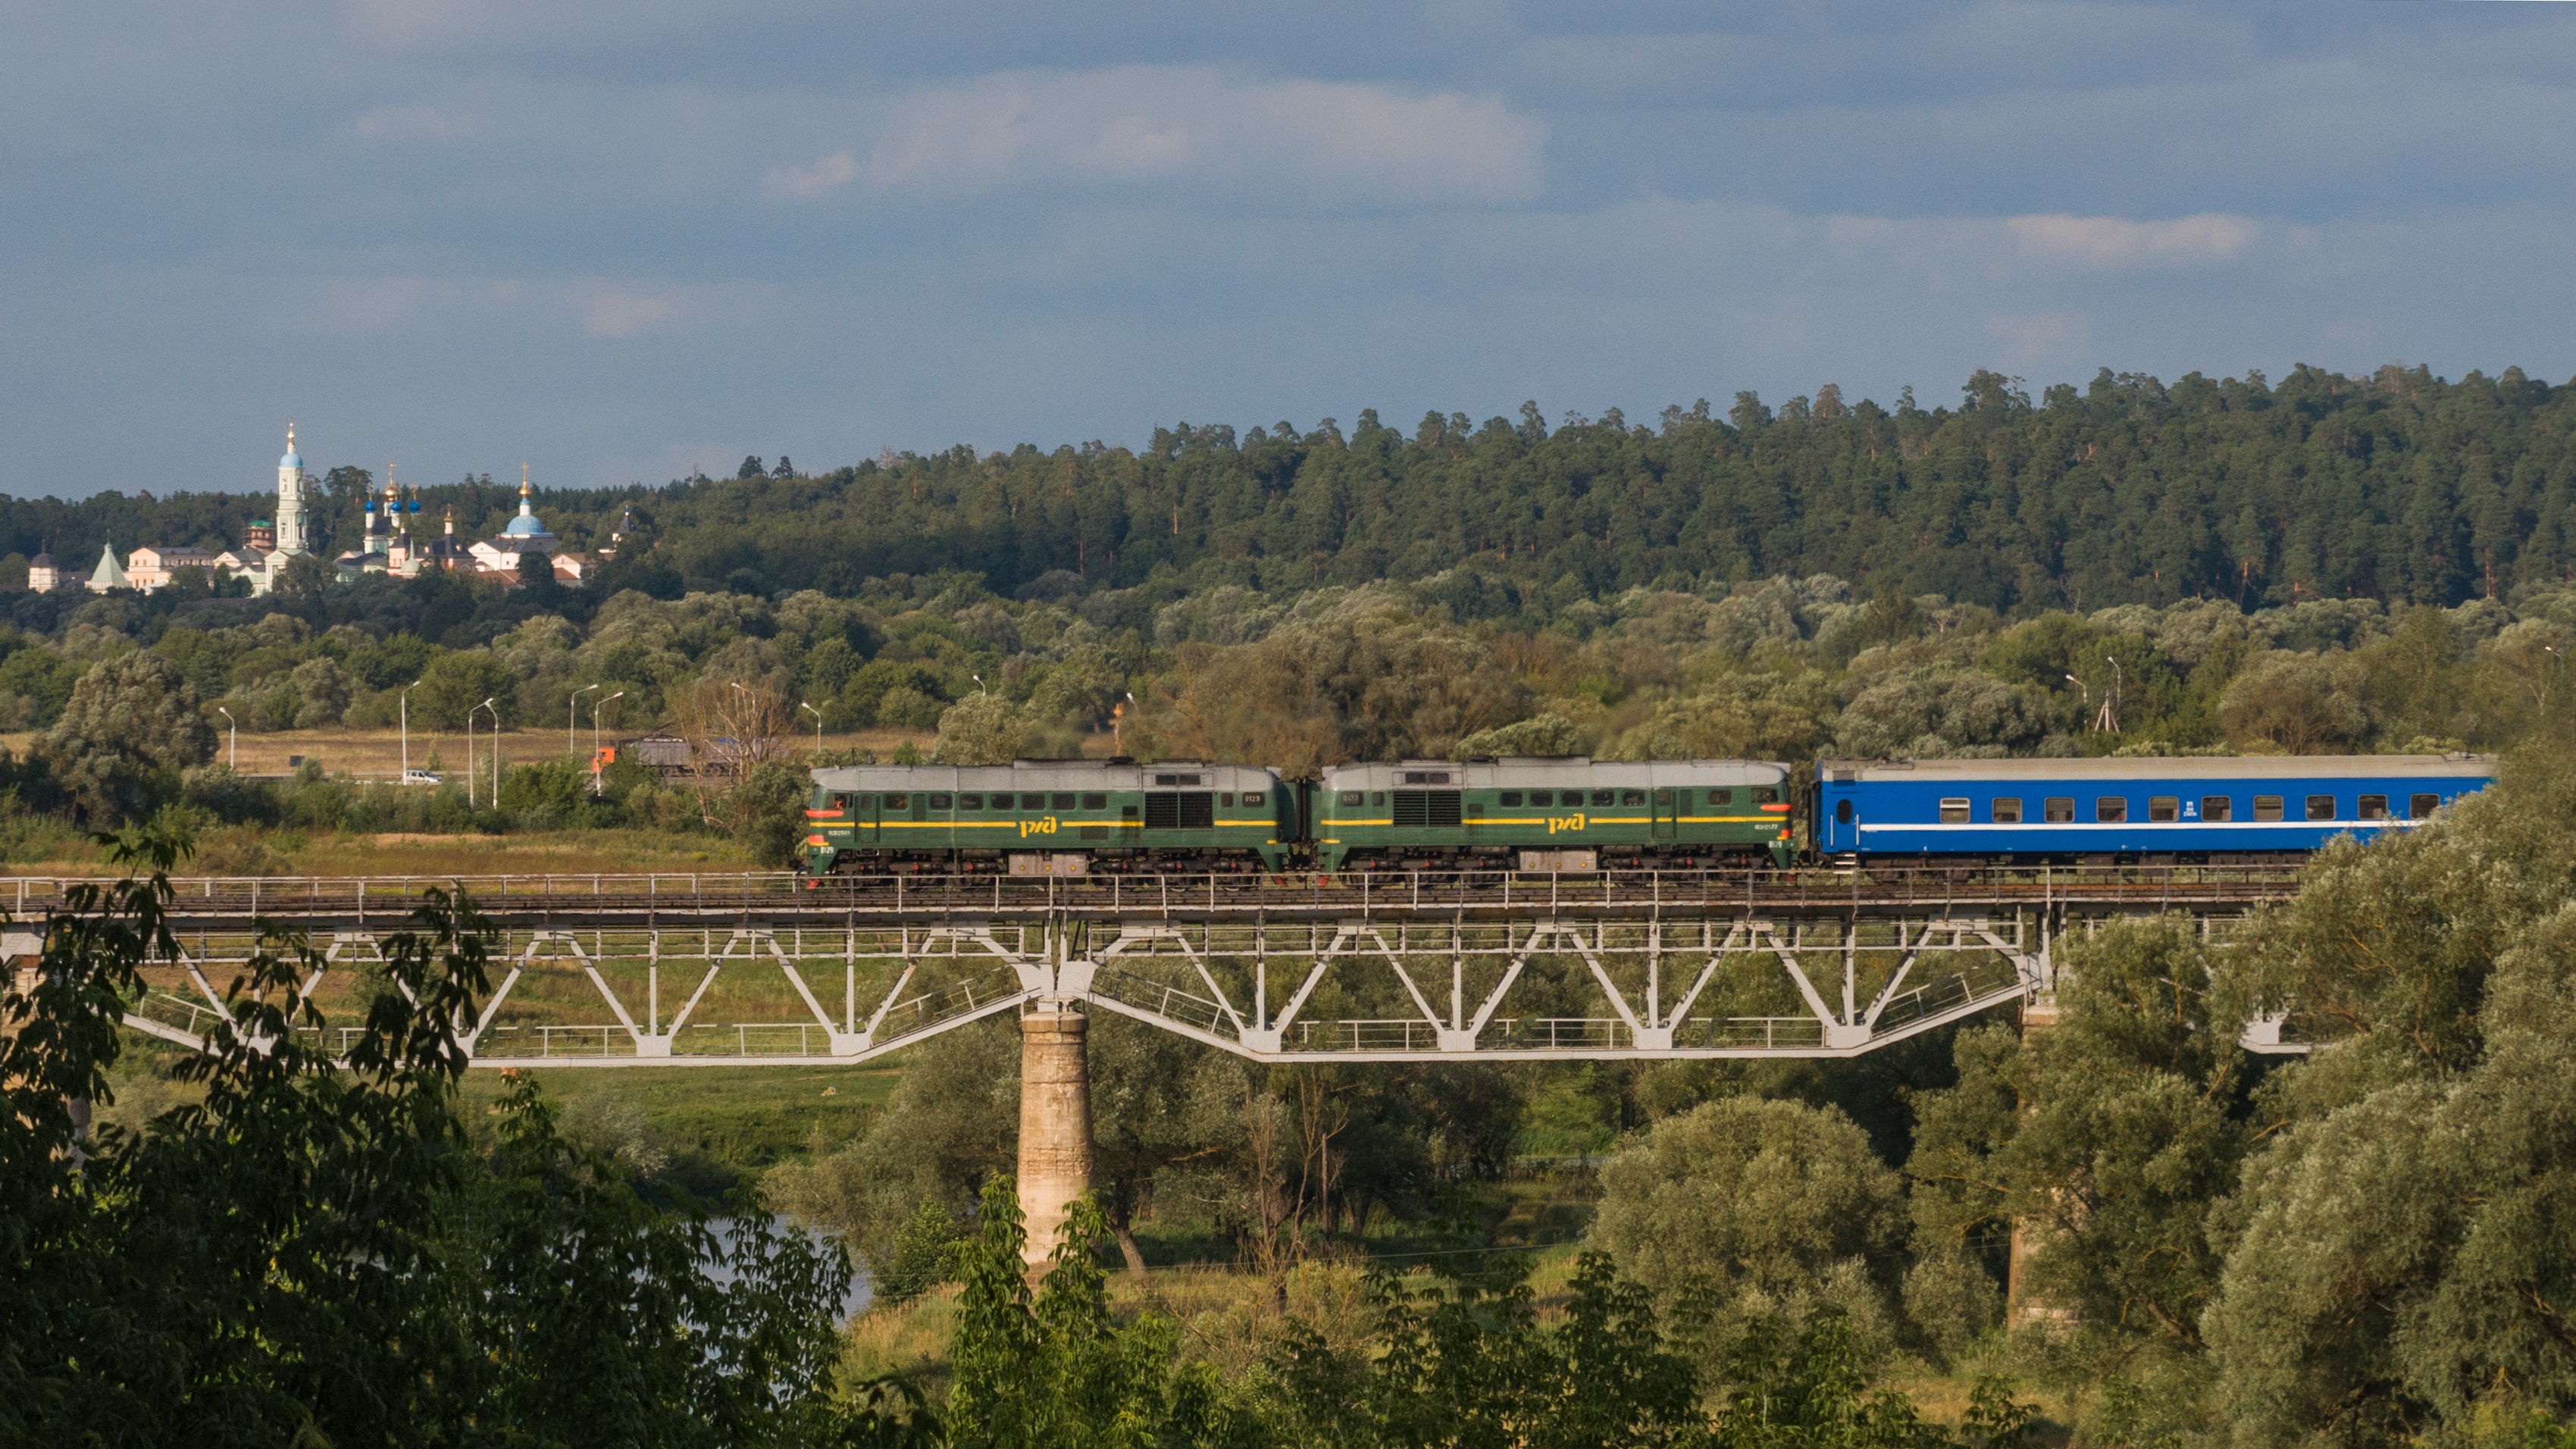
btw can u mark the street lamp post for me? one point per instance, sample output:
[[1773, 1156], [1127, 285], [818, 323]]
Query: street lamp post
[[404, 704], [469, 753], [818, 730], [571, 707], [603, 703], [232, 750]]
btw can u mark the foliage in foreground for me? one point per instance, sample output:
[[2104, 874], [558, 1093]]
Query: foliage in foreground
[[319, 1255], [1458, 1358]]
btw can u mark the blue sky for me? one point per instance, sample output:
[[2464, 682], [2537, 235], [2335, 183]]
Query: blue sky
[[618, 241]]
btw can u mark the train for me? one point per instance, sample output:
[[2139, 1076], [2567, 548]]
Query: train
[[1578, 815]]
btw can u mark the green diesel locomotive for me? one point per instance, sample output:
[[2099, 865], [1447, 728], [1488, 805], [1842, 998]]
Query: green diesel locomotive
[[1049, 817], [1530, 814]]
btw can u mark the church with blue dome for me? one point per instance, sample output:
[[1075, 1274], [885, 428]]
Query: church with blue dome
[[521, 535]]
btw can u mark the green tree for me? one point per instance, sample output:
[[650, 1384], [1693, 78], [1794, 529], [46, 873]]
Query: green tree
[[1755, 1203], [453, 685], [131, 727]]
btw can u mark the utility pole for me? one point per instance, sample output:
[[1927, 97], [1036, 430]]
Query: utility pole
[[818, 730], [232, 750]]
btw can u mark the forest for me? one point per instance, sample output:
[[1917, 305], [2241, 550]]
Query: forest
[[2399, 487]]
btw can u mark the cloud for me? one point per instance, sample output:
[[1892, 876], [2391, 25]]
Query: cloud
[[621, 313], [2033, 337], [414, 123], [807, 182], [2109, 241], [1136, 124]]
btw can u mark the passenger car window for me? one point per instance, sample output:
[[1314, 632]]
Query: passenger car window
[[2111, 809], [2164, 807], [1510, 798], [2421, 807], [2057, 810], [1954, 810], [1842, 812], [2374, 807], [2007, 810], [2267, 807], [2214, 807], [2321, 807], [1350, 797], [1101, 802]]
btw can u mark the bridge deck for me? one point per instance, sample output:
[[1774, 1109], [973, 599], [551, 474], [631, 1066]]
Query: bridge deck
[[381, 902]]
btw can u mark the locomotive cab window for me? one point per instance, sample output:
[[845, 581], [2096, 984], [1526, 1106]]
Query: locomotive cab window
[[2111, 809], [1095, 802], [2267, 807], [1350, 797], [2164, 808], [1954, 810], [1511, 799], [2374, 807], [1842, 812], [2057, 810], [2321, 807], [2007, 810], [939, 802], [1766, 794], [2421, 807], [2214, 807]]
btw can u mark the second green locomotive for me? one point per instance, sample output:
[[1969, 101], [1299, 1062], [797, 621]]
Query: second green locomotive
[[1541, 814]]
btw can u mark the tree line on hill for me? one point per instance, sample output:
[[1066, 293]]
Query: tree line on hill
[[122, 696], [2399, 486]]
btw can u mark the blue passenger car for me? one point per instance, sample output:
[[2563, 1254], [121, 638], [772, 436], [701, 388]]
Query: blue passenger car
[[2147, 810]]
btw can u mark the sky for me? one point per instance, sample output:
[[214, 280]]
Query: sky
[[623, 241]]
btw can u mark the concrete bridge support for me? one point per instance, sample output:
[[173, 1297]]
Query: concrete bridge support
[[1055, 1123]]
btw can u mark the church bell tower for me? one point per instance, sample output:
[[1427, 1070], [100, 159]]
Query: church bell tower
[[290, 500]]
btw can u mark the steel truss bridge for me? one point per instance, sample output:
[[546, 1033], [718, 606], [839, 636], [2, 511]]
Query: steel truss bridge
[[716, 970]]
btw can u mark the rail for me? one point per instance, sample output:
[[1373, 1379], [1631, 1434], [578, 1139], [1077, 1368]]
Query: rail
[[385, 901]]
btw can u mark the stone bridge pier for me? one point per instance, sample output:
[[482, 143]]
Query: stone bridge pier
[[1055, 1122]]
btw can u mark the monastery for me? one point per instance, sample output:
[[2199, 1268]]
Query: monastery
[[387, 547]]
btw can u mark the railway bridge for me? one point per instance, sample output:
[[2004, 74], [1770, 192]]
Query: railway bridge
[[752, 969]]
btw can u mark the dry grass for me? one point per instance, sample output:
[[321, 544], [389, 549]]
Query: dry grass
[[374, 754], [569, 852]]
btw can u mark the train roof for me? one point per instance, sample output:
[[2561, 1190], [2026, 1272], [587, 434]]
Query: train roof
[[1543, 772], [1048, 775], [2193, 767]]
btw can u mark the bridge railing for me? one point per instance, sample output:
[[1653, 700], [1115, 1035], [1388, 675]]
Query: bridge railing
[[715, 895]]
